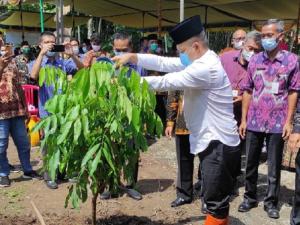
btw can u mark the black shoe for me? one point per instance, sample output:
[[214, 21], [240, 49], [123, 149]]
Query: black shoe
[[32, 175], [197, 186], [204, 209], [14, 169], [108, 195], [245, 206], [4, 181], [180, 201], [134, 194], [51, 184], [272, 212]]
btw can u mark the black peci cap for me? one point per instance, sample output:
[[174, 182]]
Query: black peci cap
[[186, 29], [152, 37]]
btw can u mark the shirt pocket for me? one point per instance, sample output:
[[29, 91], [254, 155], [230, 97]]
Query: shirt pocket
[[282, 79]]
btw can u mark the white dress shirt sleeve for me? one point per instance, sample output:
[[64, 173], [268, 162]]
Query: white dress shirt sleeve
[[195, 76], [159, 63]]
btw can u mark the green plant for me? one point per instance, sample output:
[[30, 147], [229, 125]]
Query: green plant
[[97, 125]]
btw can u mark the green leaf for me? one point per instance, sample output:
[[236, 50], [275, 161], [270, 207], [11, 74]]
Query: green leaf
[[65, 129], [77, 130], [53, 124], [114, 126], [51, 104], [108, 157], [42, 75], [136, 118], [40, 125], [53, 164], [89, 155], [73, 113], [95, 163], [85, 125], [62, 103], [159, 126]]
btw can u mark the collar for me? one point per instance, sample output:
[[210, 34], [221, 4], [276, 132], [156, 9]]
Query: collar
[[237, 57], [279, 56]]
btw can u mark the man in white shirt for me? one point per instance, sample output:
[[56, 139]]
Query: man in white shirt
[[208, 109]]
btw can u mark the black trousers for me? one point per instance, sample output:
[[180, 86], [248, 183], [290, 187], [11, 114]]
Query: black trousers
[[295, 214], [185, 163], [218, 163], [254, 144]]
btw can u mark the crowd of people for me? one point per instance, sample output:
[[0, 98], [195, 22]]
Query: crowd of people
[[218, 106]]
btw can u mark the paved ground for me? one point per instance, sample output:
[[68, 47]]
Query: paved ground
[[156, 183]]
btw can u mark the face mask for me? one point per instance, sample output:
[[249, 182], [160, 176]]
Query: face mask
[[50, 54], [269, 44], [247, 55], [25, 51], [96, 48], [75, 50], [153, 47], [119, 53], [3, 53], [84, 49], [185, 59], [238, 45]]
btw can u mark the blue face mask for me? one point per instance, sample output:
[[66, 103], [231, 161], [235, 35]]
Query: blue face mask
[[117, 53], [185, 59], [269, 44], [153, 47], [50, 54], [84, 49]]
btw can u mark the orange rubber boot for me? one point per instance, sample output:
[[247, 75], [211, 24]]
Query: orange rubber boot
[[210, 220]]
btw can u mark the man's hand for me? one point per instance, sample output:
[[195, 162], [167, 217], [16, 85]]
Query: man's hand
[[68, 49], [124, 59], [286, 131], [169, 131], [294, 141], [45, 48], [4, 62], [237, 99], [242, 129]]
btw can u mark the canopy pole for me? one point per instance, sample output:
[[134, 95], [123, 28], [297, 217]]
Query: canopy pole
[[59, 21], [42, 15], [159, 18], [21, 17], [100, 26], [78, 34], [205, 19], [143, 24], [297, 31], [73, 18], [181, 10]]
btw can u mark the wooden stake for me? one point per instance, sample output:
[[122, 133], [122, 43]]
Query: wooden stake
[[39, 215]]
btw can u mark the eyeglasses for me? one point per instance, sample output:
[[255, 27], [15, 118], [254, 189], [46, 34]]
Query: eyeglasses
[[121, 50], [238, 39]]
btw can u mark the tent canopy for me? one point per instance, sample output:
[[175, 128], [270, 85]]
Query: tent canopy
[[143, 14], [32, 19]]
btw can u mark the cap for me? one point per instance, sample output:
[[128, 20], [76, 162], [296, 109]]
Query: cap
[[186, 29]]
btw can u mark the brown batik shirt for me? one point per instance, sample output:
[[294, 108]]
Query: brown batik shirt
[[175, 114], [12, 99]]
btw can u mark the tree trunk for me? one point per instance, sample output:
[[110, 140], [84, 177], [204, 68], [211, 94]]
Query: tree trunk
[[94, 208]]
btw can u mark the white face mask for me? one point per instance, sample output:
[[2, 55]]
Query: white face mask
[[247, 54], [96, 48], [238, 44], [75, 50], [3, 53]]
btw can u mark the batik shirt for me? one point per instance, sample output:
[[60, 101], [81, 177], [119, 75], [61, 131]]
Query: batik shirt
[[12, 100], [270, 82]]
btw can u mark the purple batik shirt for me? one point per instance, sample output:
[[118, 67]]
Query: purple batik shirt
[[236, 72], [270, 81]]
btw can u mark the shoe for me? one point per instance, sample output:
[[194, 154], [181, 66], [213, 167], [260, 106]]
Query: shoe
[[204, 209], [13, 169], [108, 195], [32, 175], [4, 181], [51, 184], [132, 193], [245, 206], [272, 212], [197, 185], [180, 201]]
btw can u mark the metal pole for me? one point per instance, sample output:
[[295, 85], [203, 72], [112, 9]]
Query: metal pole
[[21, 17], [59, 21], [159, 16], [297, 31], [42, 15], [205, 19], [181, 10]]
